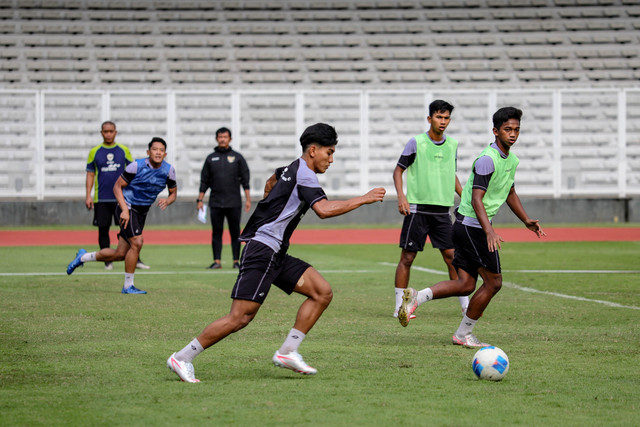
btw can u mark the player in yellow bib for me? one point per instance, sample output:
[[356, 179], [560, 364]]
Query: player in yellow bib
[[430, 162], [490, 185]]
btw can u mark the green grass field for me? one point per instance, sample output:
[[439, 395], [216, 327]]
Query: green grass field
[[77, 352]]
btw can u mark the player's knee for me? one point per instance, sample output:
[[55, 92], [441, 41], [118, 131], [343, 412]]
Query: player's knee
[[240, 320], [324, 295], [447, 256], [119, 255], [498, 285], [467, 287], [494, 283], [328, 296], [136, 243], [407, 257]]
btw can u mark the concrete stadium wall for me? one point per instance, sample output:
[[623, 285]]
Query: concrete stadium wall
[[19, 213]]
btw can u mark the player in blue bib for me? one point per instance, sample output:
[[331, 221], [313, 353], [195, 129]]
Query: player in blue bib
[[136, 191], [105, 164]]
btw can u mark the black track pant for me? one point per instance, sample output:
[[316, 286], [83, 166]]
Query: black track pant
[[217, 226]]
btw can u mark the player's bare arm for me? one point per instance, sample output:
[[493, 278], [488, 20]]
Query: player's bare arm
[[269, 185], [89, 185], [514, 203], [329, 208], [173, 194], [117, 191], [458, 187], [493, 238], [403, 204]]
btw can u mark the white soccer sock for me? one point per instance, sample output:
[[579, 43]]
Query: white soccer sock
[[89, 256], [464, 303], [292, 342], [128, 280], [466, 327], [399, 294], [425, 295], [189, 353]]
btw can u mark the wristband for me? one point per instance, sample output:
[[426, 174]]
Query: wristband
[[198, 201]]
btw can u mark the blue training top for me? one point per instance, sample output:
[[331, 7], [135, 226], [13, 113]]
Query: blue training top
[[145, 182]]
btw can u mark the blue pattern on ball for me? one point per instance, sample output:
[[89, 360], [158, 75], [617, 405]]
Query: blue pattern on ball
[[500, 364], [477, 368]]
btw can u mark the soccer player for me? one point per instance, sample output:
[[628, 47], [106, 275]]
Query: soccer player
[[430, 162], [490, 184], [288, 194], [136, 190], [105, 164]]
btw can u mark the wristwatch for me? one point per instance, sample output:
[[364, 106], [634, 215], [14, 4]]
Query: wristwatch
[[198, 201]]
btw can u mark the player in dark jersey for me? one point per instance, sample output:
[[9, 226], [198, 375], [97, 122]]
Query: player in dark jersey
[[105, 164], [136, 191], [288, 194]]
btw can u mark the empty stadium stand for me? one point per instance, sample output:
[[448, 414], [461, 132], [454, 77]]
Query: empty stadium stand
[[182, 69], [399, 44]]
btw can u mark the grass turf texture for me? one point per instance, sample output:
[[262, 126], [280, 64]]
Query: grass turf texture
[[77, 352]]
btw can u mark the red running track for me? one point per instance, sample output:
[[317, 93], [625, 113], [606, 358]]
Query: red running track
[[307, 236]]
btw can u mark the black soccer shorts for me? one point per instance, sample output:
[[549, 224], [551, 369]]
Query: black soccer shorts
[[260, 267], [417, 226], [472, 250], [135, 225]]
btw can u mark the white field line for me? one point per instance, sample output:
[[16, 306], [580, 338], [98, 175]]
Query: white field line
[[148, 273], [536, 291], [423, 269]]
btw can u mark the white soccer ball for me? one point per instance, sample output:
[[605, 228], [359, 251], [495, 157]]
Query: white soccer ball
[[490, 363]]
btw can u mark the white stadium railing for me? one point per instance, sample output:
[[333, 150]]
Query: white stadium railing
[[573, 142]]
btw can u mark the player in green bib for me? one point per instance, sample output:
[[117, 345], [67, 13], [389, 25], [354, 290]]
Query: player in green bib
[[490, 185], [430, 162]]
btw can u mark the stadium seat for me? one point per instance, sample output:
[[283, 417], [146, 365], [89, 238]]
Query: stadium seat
[[202, 46]]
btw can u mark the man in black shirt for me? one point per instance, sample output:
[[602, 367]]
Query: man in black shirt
[[224, 171]]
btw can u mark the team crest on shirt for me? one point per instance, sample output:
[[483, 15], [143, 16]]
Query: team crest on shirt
[[231, 159], [111, 165], [285, 178]]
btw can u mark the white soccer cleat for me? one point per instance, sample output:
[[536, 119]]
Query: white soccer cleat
[[469, 341], [141, 265], [395, 315], [408, 306], [183, 369], [294, 362]]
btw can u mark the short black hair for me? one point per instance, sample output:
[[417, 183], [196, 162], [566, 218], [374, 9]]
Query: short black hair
[[439, 105], [321, 134], [108, 122], [505, 114], [223, 130], [157, 139]]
